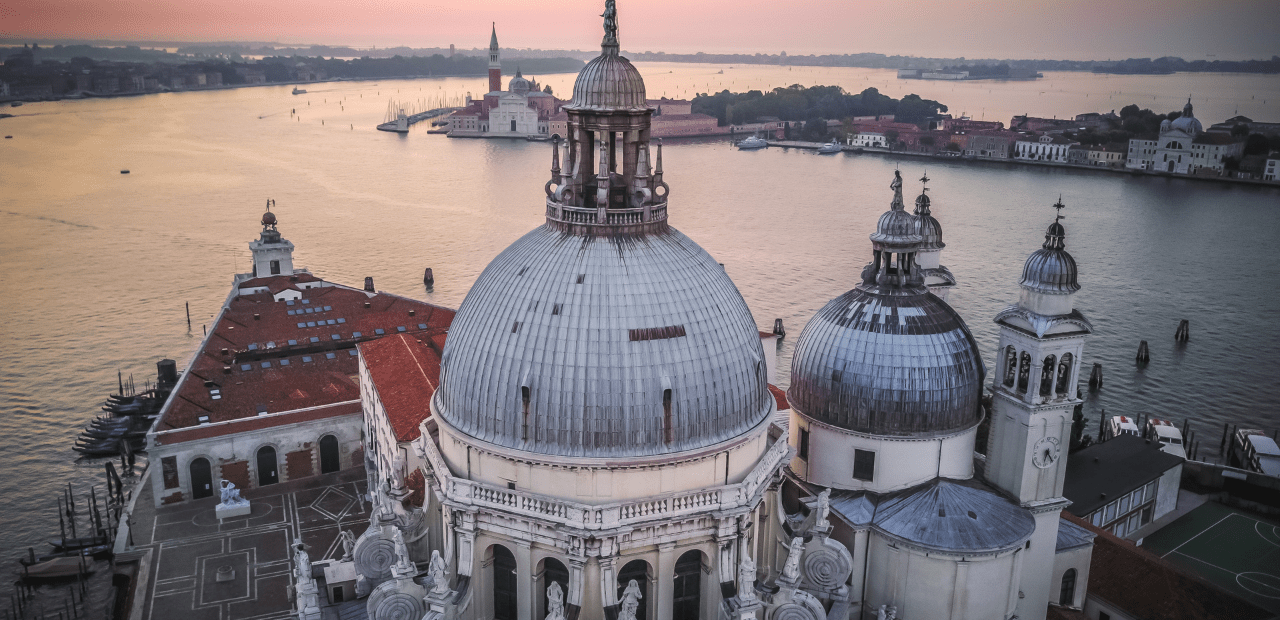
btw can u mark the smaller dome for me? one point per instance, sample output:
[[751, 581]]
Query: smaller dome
[[519, 85], [609, 82], [927, 226], [1188, 124], [1051, 269], [268, 219], [955, 517], [896, 227]]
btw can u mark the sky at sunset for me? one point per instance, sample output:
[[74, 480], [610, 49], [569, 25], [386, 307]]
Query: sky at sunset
[[1068, 29]]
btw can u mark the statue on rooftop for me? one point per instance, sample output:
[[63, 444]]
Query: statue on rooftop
[[440, 581], [555, 602], [791, 570], [823, 509], [610, 16], [348, 544], [746, 579], [630, 601]]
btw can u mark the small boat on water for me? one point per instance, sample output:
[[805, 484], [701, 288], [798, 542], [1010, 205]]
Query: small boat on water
[[98, 552], [57, 568], [830, 148], [299, 91], [16, 104], [754, 142], [73, 544]]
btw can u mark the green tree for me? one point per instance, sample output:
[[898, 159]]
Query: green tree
[[1256, 144], [892, 137]]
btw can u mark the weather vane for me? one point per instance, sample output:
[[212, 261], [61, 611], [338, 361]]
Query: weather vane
[[925, 181], [1059, 206]]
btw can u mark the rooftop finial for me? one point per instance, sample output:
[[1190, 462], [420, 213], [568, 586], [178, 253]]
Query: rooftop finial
[[1055, 238], [610, 15], [1059, 206], [922, 202]]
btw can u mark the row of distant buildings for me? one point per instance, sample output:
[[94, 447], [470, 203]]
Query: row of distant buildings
[[1183, 146]]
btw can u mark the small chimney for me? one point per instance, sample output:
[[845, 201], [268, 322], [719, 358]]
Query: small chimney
[[366, 304], [224, 351], [368, 284], [257, 316], [413, 313], [226, 370]]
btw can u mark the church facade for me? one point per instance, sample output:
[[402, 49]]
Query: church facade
[[1183, 147], [521, 111], [603, 441]]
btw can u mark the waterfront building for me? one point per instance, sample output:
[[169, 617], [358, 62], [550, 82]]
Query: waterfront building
[[1123, 484], [1045, 147], [270, 395], [521, 111], [1264, 128], [1183, 147], [1271, 171], [992, 144]]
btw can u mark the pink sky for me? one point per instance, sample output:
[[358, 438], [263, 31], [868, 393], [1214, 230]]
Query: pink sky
[[1074, 29]]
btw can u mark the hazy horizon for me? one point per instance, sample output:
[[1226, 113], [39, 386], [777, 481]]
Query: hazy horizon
[[1055, 29]]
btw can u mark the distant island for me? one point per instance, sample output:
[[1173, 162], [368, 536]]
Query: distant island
[[35, 73]]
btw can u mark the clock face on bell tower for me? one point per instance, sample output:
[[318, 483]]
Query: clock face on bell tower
[[1045, 453]]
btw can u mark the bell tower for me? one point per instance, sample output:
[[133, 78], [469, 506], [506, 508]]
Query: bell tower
[[272, 254], [1034, 394], [495, 62]]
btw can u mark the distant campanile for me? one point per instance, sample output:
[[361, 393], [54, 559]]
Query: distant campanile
[[495, 62]]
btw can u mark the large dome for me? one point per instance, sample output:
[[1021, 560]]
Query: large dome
[[594, 330], [888, 363], [608, 83]]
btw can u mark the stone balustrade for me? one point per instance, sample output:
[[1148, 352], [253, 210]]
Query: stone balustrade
[[604, 516], [589, 216]]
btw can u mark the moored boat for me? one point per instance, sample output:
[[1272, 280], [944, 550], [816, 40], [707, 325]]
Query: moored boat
[[830, 148], [58, 568], [754, 142]]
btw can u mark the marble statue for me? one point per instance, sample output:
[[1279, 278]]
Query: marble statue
[[301, 560], [791, 570], [746, 579], [348, 541], [555, 602], [824, 509], [630, 601], [887, 612], [231, 495], [440, 581]]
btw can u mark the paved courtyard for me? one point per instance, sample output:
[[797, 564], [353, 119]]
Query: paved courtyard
[[189, 545]]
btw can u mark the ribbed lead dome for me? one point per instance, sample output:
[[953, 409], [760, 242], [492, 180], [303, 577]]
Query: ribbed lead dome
[[889, 357], [1051, 269], [927, 226], [594, 331], [608, 83]]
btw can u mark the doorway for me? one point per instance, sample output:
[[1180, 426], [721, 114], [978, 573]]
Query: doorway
[[267, 466], [688, 589], [201, 479], [329, 459], [504, 584]]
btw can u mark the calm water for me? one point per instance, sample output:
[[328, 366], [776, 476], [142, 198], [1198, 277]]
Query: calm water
[[97, 265]]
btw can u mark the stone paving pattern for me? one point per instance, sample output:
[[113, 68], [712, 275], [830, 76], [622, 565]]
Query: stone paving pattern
[[189, 545]]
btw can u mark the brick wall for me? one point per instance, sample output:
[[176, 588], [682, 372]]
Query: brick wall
[[357, 457], [237, 472], [300, 464]]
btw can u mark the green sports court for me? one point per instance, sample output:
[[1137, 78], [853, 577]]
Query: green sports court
[[1228, 547]]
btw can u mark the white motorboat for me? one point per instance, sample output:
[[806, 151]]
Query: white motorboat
[[754, 142], [830, 148]]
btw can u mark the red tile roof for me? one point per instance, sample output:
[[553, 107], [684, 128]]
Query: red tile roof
[[779, 396], [405, 372], [1147, 586], [261, 356]]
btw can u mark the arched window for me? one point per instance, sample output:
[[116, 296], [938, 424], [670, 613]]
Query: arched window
[[550, 571], [637, 570], [686, 601], [1047, 374], [1068, 595], [1024, 372], [1010, 365], [504, 584], [1064, 373]]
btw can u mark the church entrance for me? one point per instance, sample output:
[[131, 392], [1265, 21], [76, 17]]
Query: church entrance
[[329, 461], [688, 590], [513, 124], [504, 584], [201, 479], [267, 466]]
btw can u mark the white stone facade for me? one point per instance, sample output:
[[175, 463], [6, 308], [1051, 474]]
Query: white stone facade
[[1044, 148]]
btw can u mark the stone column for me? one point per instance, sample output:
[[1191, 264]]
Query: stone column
[[661, 602], [524, 579]]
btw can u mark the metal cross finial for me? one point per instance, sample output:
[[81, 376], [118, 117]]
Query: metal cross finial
[[1059, 206], [925, 181]]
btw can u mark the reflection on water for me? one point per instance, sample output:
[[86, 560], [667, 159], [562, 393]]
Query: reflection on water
[[97, 265]]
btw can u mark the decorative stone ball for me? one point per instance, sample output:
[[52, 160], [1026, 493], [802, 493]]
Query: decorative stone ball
[[268, 219]]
